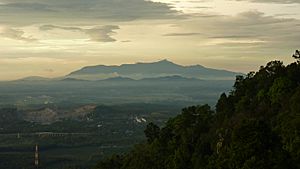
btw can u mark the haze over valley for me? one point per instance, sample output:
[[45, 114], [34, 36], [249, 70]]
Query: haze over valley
[[158, 82], [109, 104]]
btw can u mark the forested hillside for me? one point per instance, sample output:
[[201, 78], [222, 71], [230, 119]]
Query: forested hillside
[[255, 126]]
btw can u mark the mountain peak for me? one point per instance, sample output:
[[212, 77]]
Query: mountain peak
[[165, 61]]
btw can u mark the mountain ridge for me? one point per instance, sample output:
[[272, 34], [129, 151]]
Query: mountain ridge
[[143, 70], [162, 69]]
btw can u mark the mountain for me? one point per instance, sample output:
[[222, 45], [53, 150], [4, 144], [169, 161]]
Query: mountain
[[34, 78], [117, 79], [171, 78], [154, 79], [161, 68], [161, 81], [69, 79]]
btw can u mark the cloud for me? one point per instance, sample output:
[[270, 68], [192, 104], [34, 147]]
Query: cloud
[[249, 18], [102, 34], [273, 1], [97, 34], [23, 7], [252, 33], [266, 31], [231, 37], [49, 70], [126, 41], [42, 11], [182, 34], [16, 35], [51, 27]]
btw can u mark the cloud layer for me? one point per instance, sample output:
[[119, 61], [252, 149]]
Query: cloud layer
[[98, 34], [63, 35], [16, 35], [30, 11], [273, 1]]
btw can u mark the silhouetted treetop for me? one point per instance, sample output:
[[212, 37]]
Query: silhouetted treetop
[[296, 55]]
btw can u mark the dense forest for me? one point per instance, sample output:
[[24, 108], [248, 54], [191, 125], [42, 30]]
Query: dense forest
[[256, 125]]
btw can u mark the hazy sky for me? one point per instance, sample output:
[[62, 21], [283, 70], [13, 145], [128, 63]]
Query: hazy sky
[[53, 37]]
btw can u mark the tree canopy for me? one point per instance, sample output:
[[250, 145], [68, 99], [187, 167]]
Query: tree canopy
[[256, 125]]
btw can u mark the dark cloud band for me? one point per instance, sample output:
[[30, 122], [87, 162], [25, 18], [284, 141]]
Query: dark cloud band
[[79, 10]]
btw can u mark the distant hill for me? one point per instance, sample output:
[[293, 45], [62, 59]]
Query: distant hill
[[72, 80], [34, 78], [118, 79], [163, 68], [171, 78], [161, 81]]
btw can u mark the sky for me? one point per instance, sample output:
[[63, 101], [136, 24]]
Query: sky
[[51, 38]]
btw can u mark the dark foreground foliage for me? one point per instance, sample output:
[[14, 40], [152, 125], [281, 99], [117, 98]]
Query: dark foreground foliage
[[255, 126]]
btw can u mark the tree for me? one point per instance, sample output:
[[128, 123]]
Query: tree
[[255, 145], [152, 132], [114, 162], [296, 55]]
